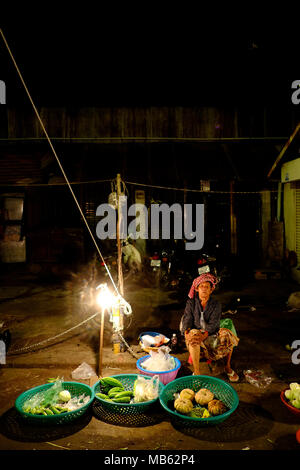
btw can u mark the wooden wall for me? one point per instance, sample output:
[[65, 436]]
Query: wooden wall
[[173, 122]]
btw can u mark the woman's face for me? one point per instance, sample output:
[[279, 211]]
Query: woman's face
[[204, 290]]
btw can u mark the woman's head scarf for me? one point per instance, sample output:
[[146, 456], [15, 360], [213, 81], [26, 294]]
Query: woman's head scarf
[[206, 277]]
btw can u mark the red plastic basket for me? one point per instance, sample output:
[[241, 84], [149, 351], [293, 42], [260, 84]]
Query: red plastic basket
[[294, 410]]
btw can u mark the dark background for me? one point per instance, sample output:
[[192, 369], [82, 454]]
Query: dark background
[[120, 64]]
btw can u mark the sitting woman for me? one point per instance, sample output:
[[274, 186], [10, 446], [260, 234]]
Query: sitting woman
[[200, 325]]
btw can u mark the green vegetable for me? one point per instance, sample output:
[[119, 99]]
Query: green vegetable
[[288, 394], [293, 394], [61, 409], [102, 395], [124, 394], [296, 403], [122, 400], [197, 412], [115, 390], [111, 382], [48, 411], [55, 410], [64, 395]]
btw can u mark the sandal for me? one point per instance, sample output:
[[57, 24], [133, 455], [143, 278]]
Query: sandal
[[233, 377]]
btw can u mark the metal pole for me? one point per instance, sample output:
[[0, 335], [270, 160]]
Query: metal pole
[[120, 272], [120, 347], [101, 344]]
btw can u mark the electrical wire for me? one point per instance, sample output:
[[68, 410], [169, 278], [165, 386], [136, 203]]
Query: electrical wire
[[126, 306], [198, 190], [58, 161]]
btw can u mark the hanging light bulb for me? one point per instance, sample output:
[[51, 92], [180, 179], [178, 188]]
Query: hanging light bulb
[[105, 299]]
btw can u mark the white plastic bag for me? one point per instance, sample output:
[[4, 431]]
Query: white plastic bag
[[153, 341], [159, 360], [145, 389], [84, 371]]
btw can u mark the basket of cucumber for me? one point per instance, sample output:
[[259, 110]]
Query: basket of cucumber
[[118, 399]]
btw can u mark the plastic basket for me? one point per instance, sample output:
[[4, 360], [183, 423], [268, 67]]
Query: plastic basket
[[126, 412], [221, 389], [75, 388], [164, 376], [290, 407]]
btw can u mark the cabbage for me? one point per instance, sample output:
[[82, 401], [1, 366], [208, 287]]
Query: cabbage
[[296, 394], [296, 403], [294, 386], [289, 394], [64, 395]]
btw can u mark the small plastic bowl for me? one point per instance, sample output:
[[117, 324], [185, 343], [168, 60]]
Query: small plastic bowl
[[294, 410], [164, 376]]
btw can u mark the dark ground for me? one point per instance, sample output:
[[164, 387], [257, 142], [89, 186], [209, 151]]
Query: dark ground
[[35, 311]]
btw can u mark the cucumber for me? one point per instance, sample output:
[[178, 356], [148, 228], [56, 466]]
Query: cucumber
[[121, 400], [124, 394], [111, 381], [102, 395], [115, 390]]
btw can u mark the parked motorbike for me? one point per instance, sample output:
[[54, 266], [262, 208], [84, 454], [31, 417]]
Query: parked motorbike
[[155, 265], [207, 264]]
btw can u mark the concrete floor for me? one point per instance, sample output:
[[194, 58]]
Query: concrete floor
[[35, 311]]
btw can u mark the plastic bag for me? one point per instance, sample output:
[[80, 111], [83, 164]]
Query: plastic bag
[[152, 341], [159, 360], [84, 371], [148, 341], [76, 402], [257, 378], [47, 397], [228, 323], [145, 389]]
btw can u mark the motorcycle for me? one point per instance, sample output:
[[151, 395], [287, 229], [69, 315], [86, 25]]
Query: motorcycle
[[207, 264], [155, 265]]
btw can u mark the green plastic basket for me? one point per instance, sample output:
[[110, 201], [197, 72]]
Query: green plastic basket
[[222, 391], [126, 412], [75, 388]]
